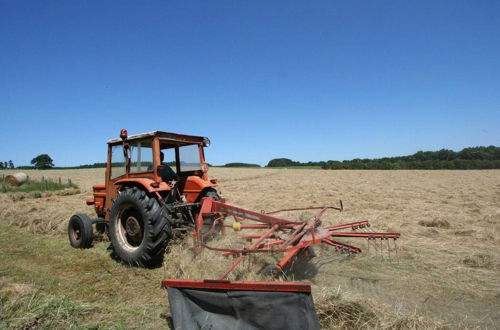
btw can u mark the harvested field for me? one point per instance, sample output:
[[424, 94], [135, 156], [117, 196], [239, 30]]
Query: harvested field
[[444, 275]]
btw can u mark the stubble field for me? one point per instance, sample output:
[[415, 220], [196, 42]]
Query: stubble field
[[445, 272]]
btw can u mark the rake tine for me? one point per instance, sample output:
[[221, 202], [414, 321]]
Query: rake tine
[[388, 249], [375, 246]]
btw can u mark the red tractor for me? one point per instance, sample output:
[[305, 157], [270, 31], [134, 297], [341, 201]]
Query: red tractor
[[153, 186], [156, 186]]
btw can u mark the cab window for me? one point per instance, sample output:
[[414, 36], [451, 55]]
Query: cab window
[[117, 162], [169, 158], [189, 158], [141, 157]]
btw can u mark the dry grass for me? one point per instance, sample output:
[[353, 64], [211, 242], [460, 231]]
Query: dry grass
[[48, 212], [446, 273], [23, 307], [181, 262]]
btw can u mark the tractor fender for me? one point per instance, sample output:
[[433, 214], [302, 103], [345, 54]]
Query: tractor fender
[[194, 186], [149, 185]]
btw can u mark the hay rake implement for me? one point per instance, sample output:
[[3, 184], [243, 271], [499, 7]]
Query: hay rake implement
[[279, 235], [224, 304]]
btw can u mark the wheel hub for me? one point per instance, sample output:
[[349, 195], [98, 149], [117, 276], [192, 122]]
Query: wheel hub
[[133, 228], [75, 233]]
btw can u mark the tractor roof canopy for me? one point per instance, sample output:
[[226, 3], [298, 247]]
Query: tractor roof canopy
[[171, 138]]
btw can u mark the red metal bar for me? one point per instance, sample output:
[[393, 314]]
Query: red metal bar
[[253, 236], [255, 244], [342, 245], [309, 208], [251, 247], [251, 215], [235, 285], [229, 252], [252, 226], [360, 224], [366, 235], [266, 245], [233, 266], [288, 257], [206, 206], [320, 214], [296, 234], [212, 227]]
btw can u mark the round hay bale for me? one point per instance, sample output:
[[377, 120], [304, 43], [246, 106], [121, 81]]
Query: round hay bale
[[16, 179]]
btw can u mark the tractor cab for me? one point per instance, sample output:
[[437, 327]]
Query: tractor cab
[[141, 155]]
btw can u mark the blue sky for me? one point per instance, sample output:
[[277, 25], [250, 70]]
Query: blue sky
[[306, 80]]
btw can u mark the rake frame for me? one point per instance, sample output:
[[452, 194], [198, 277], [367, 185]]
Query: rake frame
[[281, 235]]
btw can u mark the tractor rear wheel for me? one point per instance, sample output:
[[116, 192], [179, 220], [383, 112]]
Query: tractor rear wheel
[[80, 231], [138, 228]]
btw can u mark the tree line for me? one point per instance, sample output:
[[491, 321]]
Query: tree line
[[5, 165], [467, 158], [240, 165]]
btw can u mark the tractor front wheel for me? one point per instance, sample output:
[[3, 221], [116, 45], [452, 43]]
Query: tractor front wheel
[[80, 231], [138, 228]]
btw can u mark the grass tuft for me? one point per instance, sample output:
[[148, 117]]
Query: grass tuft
[[34, 309], [439, 223], [479, 260], [335, 312]]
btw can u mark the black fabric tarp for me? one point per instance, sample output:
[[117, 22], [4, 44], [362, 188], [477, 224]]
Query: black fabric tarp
[[245, 310]]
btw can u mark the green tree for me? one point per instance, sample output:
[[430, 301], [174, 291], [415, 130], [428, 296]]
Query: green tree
[[241, 165], [11, 164], [281, 162], [42, 162]]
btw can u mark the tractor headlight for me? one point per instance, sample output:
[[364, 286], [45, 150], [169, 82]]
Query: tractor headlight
[[206, 142]]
